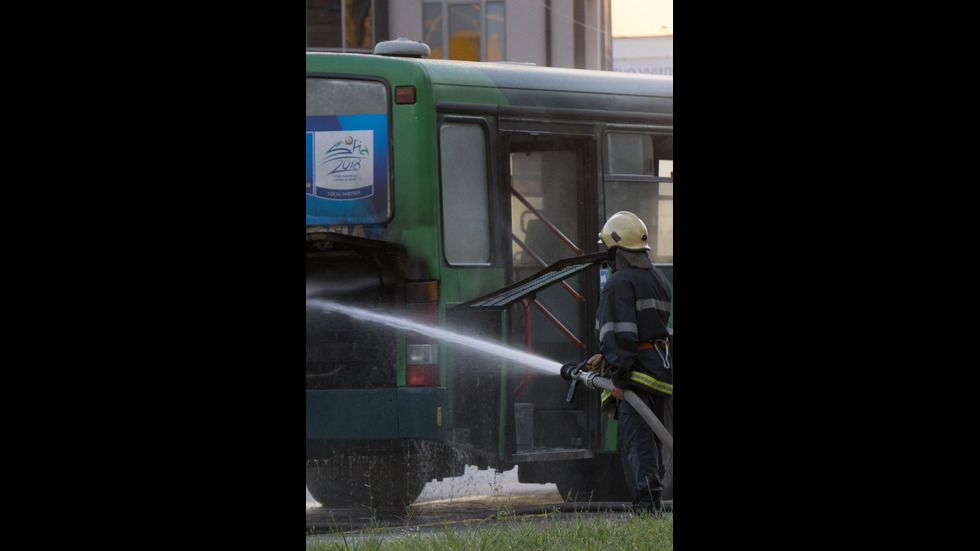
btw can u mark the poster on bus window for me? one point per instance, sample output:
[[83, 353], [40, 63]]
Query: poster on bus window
[[347, 169], [344, 168]]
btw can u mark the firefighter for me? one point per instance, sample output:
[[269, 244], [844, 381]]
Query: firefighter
[[634, 350]]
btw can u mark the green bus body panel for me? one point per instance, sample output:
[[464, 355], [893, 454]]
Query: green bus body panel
[[373, 414], [502, 84], [438, 80]]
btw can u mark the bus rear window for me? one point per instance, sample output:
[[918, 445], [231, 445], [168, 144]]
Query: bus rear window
[[347, 161]]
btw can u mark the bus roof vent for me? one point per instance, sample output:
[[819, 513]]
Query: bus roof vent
[[402, 47]]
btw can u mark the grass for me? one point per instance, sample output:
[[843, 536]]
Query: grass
[[546, 532]]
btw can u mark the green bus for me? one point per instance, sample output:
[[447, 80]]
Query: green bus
[[468, 196]]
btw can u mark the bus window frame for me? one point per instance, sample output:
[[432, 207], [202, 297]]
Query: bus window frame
[[492, 214], [582, 137], [389, 102], [631, 129], [645, 130]]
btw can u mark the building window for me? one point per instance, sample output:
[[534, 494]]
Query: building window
[[340, 25], [469, 31]]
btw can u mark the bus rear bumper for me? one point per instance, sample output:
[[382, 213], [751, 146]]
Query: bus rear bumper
[[376, 414]]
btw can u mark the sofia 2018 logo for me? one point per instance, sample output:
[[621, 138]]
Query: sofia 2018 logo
[[346, 155], [345, 168]]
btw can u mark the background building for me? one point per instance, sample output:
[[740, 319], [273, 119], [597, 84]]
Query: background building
[[555, 33], [652, 55]]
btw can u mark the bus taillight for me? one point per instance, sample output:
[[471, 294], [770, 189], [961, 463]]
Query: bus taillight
[[421, 375], [421, 351]]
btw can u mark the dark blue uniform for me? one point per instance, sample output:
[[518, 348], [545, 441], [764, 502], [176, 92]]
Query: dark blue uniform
[[631, 326]]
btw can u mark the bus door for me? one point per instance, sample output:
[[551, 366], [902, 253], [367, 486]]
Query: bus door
[[552, 185]]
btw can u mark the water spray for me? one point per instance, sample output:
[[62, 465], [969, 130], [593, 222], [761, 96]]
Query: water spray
[[517, 356], [571, 372], [592, 380]]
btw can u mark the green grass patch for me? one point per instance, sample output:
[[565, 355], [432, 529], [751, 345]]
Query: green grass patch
[[546, 532]]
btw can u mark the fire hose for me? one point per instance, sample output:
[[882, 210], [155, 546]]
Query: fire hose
[[592, 380]]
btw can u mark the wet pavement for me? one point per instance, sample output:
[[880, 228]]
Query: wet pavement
[[472, 500], [475, 494]]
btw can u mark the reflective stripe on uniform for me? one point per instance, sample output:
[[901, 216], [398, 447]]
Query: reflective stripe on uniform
[[622, 327], [645, 381], [605, 396], [648, 303], [651, 383]]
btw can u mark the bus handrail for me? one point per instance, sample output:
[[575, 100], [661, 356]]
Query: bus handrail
[[539, 260], [546, 222]]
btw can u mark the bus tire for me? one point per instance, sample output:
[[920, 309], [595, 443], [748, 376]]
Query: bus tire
[[375, 477]]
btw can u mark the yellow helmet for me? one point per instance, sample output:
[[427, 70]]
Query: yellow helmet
[[625, 230]]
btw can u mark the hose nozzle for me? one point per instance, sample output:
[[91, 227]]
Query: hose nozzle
[[568, 371], [574, 372]]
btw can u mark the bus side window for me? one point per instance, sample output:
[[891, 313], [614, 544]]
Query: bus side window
[[630, 154], [639, 177], [465, 199]]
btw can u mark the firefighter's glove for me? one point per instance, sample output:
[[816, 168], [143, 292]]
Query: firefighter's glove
[[597, 363]]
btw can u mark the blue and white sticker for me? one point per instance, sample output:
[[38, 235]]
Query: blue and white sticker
[[344, 164], [347, 171]]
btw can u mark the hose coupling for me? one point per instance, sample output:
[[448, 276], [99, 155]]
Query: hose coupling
[[586, 377]]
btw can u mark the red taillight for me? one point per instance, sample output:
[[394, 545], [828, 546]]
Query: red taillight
[[422, 375], [421, 351]]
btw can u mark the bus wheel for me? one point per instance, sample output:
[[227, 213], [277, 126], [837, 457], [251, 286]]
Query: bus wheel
[[376, 477]]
